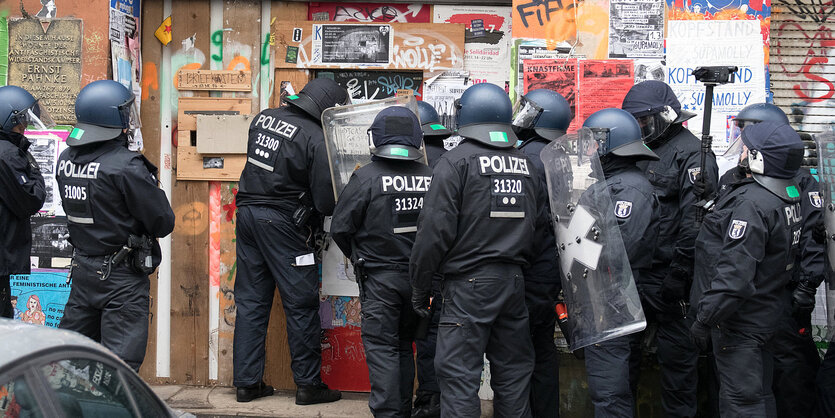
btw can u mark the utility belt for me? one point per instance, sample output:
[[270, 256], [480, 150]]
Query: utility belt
[[140, 254], [488, 270]]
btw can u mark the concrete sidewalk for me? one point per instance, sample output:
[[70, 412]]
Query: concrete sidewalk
[[219, 402]]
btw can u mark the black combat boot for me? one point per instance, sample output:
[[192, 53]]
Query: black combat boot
[[258, 390], [318, 393], [427, 405]]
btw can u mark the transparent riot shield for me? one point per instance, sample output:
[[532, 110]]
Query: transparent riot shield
[[600, 293], [346, 141], [826, 175], [346, 136]]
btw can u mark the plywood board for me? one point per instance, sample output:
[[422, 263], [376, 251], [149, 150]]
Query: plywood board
[[189, 243], [189, 107], [215, 80], [190, 284], [222, 134], [227, 270], [428, 47], [242, 42], [286, 81], [192, 165]]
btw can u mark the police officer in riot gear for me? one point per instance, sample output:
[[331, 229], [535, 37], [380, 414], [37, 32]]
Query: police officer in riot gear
[[482, 218], [795, 354], [115, 212], [428, 394], [434, 132], [22, 191], [374, 224], [612, 365], [540, 117], [679, 182], [284, 189], [746, 250]]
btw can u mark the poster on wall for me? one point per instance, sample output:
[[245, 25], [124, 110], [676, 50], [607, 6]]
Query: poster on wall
[[125, 55], [554, 21], [364, 86], [39, 298], [602, 84], [441, 92], [649, 69], [352, 44], [558, 75], [532, 49], [486, 40], [636, 28], [368, 12], [691, 44], [46, 147]]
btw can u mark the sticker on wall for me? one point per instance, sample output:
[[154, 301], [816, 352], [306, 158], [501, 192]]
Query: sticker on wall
[[297, 35], [292, 54], [163, 32]]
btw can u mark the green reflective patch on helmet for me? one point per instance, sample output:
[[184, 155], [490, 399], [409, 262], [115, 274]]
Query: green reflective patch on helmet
[[437, 127], [498, 136], [76, 133], [293, 97], [403, 152], [792, 191]]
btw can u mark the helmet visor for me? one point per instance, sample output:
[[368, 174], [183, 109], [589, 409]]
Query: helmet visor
[[36, 117], [736, 130], [129, 113], [591, 141], [525, 114], [652, 126]]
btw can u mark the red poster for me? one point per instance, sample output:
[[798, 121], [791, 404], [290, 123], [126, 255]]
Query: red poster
[[343, 360], [603, 83], [559, 75], [369, 12]]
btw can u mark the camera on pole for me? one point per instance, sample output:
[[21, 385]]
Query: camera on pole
[[711, 77]]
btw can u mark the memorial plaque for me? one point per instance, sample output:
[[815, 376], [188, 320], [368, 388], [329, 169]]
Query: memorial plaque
[[45, 59]]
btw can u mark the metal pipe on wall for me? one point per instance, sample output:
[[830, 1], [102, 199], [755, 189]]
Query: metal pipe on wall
[[164, 276]]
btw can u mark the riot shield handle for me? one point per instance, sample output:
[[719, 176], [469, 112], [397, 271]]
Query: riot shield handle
[[711, 77]]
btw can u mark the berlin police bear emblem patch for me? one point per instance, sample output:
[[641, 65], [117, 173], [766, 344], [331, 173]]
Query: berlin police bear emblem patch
[[693, 174], [737, 229], [815, 199], [623, 208]]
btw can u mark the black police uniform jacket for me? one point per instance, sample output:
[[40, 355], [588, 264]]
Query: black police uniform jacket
[[810, 265], [746, 249], [22, 194], [635, 207], [434, 150], [673, 176], [485, 207], [377, 212], [545, 268], [286, 156], [109, 193]]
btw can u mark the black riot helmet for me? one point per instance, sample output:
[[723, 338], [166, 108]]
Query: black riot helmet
[[616, 132], [484, 115], [775, 153], [318, 95], [430, 122], [103, 109], [544, 111], [396, 134], [656, 107], [19, 107]]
